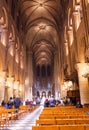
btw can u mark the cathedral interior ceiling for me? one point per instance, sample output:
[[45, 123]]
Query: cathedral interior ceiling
[[41, 21]]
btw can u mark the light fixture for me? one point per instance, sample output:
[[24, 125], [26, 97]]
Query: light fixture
[[86, 71]]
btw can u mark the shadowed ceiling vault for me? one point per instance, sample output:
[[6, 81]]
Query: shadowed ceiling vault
[[42, 21]]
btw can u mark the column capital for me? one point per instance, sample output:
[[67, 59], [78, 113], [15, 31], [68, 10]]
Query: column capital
[[75, 13], [66, 43], [12, 41], [70, 28]]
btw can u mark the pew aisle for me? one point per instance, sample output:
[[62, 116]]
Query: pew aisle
[[26, 123]]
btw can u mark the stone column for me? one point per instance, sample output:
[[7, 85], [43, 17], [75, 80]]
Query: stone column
[[77, 19], [21, 92], [4, 41], [12, 47], [29, 78], [75, 27], [67, 57], [56, 73], [70, 40], [30, 74], [2, 85], [86, 19], [70, 35], [10, 85], [17, 83], [83, 83], [4, 36], [12, 53]]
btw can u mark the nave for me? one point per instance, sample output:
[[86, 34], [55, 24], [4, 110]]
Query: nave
[[26, 122], [44, 52]]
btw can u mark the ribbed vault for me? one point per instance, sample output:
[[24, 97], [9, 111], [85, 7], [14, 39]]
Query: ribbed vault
[[41, 21]]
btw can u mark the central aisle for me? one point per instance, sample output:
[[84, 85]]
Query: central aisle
[[26, 122]]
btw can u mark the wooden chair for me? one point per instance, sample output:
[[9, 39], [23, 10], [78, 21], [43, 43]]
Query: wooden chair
[[87, 127], [51, 127], [65, 122], [72, 127], [82, 121], [46, 122]]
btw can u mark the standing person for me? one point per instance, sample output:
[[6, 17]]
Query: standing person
[[43, 100], [3, 103], [17, 102], [46, 103], [10, 103], [52, 101]]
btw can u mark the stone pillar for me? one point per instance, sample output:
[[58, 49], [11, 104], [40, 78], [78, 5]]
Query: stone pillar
[[29, 78], [56, 73], [17, 55], [18, 85], [21, 61], [67, 57], [12, 47], [23, 92], [75, 27], [70, 41], [4, 41], [10, 85], [77, 19], [2, 85], [83, 83], [86, 19], [70, 35], [46, 71], [22, 83], [16, 88], [12, 53], [4, 36]]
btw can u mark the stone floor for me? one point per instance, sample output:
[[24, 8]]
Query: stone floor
[[26, 123]]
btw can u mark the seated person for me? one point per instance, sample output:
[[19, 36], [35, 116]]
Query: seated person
[[79, 105], [46, 103], [58, 103]]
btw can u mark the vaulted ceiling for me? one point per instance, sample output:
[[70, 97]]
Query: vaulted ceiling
[[42, 21]]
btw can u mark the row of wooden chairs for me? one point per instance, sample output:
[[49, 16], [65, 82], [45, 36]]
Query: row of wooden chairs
[[63, 118], [7, 116], [62, 121], [64, 110], [61, 127]]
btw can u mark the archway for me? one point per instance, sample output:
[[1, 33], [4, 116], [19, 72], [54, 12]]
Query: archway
[[38, 94], [49, 93], [43, 94]]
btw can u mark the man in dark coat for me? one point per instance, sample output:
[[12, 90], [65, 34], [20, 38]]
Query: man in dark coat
[[17, 102]]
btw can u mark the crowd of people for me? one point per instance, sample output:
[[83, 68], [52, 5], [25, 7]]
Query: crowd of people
[[14, 102], [51, 102]]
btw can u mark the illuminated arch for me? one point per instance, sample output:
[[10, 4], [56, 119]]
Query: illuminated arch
[[5, 17]]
